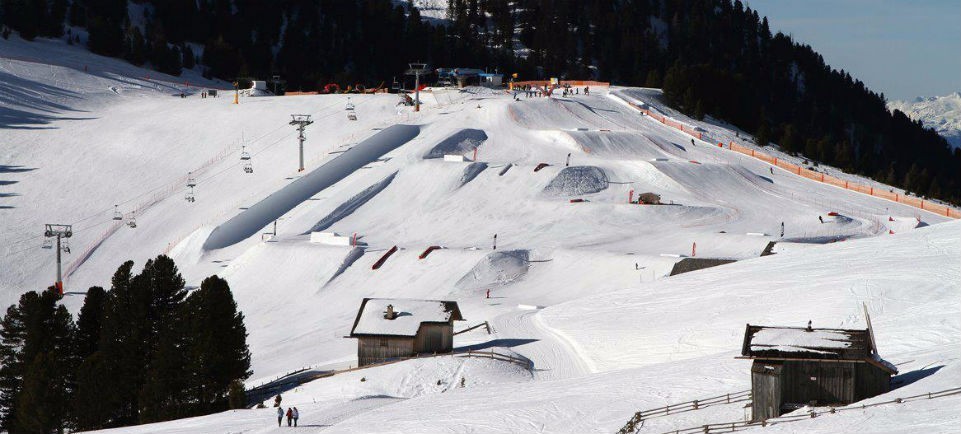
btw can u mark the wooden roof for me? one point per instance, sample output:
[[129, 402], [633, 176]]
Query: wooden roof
[[802, 343]]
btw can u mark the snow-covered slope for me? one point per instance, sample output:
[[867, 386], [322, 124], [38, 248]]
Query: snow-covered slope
[[943, 113], [578, 288]]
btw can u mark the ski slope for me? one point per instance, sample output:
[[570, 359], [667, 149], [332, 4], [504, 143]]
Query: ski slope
[[578, 288]]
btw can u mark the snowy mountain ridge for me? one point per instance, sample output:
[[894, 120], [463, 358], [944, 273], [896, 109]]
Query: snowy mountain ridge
[[942, 113]]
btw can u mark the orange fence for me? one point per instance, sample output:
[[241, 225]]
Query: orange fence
[[687, 129], [865, 189]]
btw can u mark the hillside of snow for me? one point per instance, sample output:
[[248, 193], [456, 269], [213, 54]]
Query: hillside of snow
[[579, 281], [942, 113]]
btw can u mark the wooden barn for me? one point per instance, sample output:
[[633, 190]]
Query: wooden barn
[[388, 329], [798, 366]]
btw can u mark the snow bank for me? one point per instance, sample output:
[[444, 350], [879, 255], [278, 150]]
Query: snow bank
[[352, 204], [271, 208]]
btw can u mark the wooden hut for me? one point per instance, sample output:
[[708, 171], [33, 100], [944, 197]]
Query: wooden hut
[[798, 366], [388, 329]]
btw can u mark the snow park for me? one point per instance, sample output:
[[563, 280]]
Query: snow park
[[452, 254]]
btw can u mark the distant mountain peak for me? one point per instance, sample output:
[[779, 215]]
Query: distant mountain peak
[[942, 113]]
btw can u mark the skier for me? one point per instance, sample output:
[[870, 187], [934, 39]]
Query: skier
[[821, 219], [782, 229], [488, 293], [772, 170], [280, 415], [692, 142], [587, 90], [290, 416], [296, 415]]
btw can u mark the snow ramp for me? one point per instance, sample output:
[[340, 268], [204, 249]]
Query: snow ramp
[[250, 221], [626, 145]]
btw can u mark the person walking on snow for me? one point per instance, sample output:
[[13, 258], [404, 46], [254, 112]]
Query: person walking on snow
[[488, 293], [296, 415], [280, 415], [290, 416]]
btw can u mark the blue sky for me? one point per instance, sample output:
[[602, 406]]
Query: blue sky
[[901, 48]]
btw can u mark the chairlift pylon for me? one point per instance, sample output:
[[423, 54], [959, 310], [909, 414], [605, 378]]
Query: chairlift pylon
[[116, 213]]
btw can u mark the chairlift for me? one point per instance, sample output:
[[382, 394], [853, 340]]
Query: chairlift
[[351, 116], [65, 245], [47, 243], [116, 213], [191, 181], [244, 155], [132, 221], [350, 105], [248, 168], [189, 197]]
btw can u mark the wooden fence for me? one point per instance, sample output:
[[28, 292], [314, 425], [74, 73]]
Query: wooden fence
[[741, 425], [915, 202], [637, 421]]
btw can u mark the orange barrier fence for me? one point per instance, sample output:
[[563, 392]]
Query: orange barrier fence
[[687, 129], [848, 185]]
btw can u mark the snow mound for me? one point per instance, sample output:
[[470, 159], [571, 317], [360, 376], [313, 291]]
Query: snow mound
[[577, 180], [471, 172], [459, 143], [497, 269]]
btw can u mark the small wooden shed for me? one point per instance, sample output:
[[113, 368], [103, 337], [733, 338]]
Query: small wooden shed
[[390, 328], [798, 366]]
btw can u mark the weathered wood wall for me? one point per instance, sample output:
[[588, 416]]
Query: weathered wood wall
[[377, 349], [434, 338], [775, 383]]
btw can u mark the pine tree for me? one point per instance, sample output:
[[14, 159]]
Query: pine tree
[[36, 364], [763, 135], [219, 354], [90, 321]]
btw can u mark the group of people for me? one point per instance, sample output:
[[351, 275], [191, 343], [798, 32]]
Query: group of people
[[292, 415], [532, 91]]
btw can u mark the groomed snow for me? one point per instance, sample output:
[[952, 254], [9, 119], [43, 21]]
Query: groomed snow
[[579, 289]]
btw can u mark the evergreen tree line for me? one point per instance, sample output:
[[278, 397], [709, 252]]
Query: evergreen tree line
[[714, 57], [144, 351]]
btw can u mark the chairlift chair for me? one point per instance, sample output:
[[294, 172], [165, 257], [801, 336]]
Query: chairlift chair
[[132, 221], [189, 197], [191, 181], [116, 213], [248, 168], [65, 245], [351, 116], [350, 105], [47, 243], [244, 155]]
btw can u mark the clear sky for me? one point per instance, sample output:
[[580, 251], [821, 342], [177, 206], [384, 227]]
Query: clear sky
[[902, 48]]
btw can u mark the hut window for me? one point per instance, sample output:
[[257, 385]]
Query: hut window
[[383, 342]]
